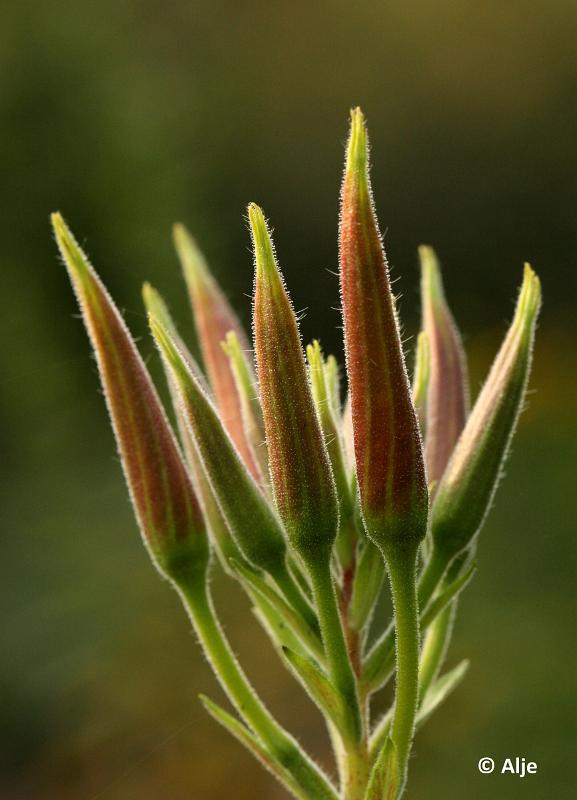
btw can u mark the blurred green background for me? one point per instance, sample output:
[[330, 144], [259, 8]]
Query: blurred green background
[[129, 115]]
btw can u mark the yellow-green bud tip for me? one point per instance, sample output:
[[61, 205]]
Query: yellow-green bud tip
[[358, 143], [262, 243]]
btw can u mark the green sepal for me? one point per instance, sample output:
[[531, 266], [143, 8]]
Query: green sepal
[[243, 735], [440, 690], [254, 582]]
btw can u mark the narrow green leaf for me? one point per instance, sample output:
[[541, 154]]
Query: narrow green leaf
[[367, 585], [319, 689], [447, 595], [242, 734], [309, 637], [385, 780], [440, 690]]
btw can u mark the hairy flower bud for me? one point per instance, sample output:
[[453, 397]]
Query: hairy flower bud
[[447, 390], [388, 452], [164, 501], [250, 520], [421, 376], [300, 469], [470, 480], [214, 318], [249, 402], [224, 544]]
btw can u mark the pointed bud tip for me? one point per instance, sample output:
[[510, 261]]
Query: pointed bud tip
[[431, 275], [72, 254], [357, 150], [262, 243], [191, 257]]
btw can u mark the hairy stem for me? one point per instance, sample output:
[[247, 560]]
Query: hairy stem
[[379, 663], [402, 576], [282, 746]]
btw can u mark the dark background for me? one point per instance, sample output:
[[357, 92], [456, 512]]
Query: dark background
[[127, 116]]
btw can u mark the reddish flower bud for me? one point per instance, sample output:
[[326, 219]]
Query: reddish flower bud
[[447, 390], [300, 469], [388, 452], [214, 318], [164, 501]]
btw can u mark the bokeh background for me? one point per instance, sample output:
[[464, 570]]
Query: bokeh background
[[130, 115]]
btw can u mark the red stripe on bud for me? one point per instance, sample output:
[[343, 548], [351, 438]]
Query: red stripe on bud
[[164, 501], [388, 452], [300, 469], [214, 318], [447, 390]]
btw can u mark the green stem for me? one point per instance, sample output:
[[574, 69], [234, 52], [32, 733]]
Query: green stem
[[338, 661], [379, 663], [402, 575], [281, 745]]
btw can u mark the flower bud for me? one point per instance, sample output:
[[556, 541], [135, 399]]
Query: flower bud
[[300, 469], [447, 390], [421, 376], [388, 452], [164, 501], [324, 399], [252, 523], [214, 318], [466, 491], [249, 402], [223, 542]]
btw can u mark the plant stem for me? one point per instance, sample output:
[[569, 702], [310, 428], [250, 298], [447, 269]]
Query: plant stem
[[379, 663], [402, 576], [281, 745], [338, 661]]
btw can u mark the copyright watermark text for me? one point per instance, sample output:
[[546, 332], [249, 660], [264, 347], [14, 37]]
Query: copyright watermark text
[[510, 766]]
